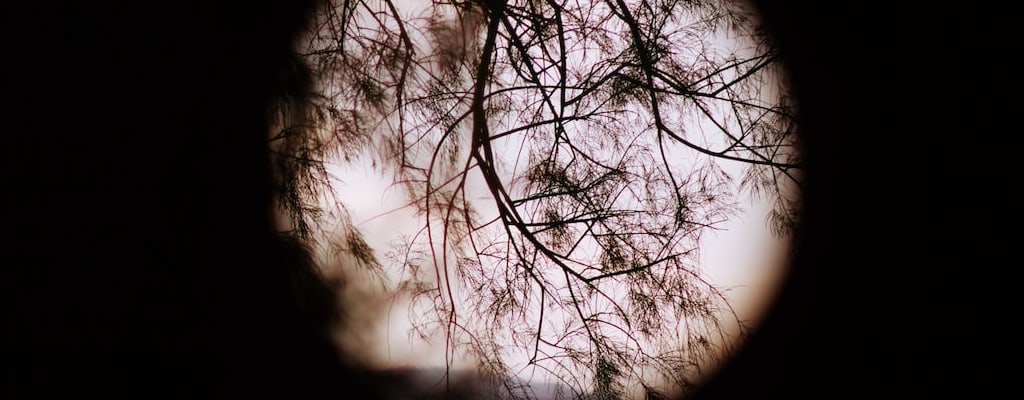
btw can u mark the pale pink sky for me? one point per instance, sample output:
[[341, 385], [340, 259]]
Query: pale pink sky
[[743, 257]]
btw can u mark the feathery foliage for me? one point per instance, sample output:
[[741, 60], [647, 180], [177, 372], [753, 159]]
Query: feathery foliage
[[597, 133]]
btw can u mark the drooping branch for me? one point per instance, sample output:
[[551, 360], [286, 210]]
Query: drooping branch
[[550, 149]]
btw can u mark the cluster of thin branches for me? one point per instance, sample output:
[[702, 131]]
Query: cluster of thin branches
[[565, 158]]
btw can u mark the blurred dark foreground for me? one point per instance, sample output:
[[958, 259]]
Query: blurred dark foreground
[[140, 250]]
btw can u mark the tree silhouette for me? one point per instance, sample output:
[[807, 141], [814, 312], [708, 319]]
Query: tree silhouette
[[600, 136]]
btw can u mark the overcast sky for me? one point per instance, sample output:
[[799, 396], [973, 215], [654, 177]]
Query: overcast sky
[[743, 256]]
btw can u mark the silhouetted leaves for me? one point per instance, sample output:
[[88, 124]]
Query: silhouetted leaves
[[565, 159]]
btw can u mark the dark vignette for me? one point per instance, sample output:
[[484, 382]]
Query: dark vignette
[[141, 260]]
